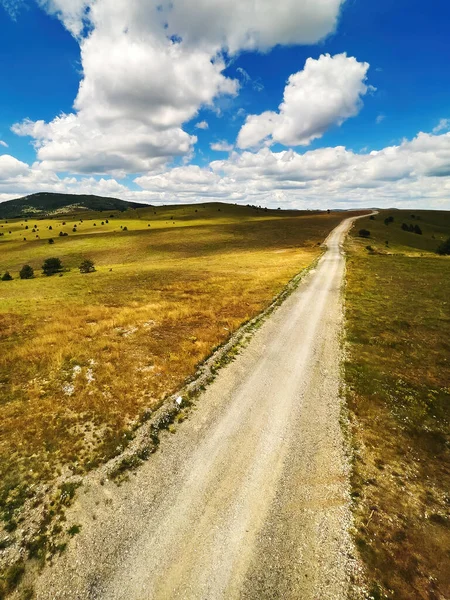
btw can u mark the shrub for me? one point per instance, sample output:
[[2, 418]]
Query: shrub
[[125, 229], [364, 233], [51, 241], [74, 230], [7, 276], [444, 248], [389, 220], [372, 218], [61, 234], [26, 272], [417, 230], [405, 227], [52, 266], [87, 266]]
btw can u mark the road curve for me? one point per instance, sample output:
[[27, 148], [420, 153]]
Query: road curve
[[249, 499]]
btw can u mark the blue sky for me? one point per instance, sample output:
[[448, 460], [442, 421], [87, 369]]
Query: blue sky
[[132, 129]]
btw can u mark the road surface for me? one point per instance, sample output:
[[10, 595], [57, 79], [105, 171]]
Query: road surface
[[249, 499]]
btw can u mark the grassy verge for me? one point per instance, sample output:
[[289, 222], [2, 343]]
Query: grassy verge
[[84, 356], [397, 373]]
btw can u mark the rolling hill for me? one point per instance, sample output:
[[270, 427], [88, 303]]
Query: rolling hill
[[47, 203]]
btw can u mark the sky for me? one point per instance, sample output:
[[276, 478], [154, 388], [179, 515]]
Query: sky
[[288, 103]]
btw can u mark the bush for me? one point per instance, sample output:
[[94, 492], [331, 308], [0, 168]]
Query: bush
[[364, 233], [125, 229], [87, 266], [372, 218], [51, 241], [389, 220], [444, 248], [26, 272], [417, 230], [52, 266], [7, 276]]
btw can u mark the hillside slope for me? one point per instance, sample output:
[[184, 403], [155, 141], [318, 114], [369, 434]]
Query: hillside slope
[[46, 203]]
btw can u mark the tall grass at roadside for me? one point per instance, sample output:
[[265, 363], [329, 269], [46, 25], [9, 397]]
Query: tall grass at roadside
[[398, 378]]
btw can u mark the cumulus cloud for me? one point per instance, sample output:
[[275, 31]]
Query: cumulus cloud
[[413, 173], [416, 172], [148, 66], [202, 125], [326, 93], [222, 146]]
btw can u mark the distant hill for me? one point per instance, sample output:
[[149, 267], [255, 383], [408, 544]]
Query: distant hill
[[46, 203]]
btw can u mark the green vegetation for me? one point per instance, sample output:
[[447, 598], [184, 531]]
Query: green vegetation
[[398, 332], [45, 203], [26, 272], [83, 358], [87, 266]]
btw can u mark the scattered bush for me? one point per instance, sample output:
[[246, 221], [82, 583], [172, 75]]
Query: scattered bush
[[444, 248], [26, 272], [389, 220], [417, 230], [7, 276], [87, 266], [74, 230], [372, 217], [125, 229], [51, 241], [52, 266], [364, 233]]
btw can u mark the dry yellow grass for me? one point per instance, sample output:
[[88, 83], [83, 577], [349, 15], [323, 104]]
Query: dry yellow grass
[[83, 355]]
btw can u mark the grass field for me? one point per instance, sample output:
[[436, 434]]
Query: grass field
[[398, 378], [83, 355]]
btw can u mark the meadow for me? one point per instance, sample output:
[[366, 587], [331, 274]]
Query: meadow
[[84, 355], [398, 391]]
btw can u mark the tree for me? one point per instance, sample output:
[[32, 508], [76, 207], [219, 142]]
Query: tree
[[7, 276], [52, 266], [389, 220], [364, 233], [26, 272], [87, 266], [444, 248], [417, 230]]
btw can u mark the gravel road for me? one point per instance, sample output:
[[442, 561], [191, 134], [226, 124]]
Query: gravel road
[[249, 499]]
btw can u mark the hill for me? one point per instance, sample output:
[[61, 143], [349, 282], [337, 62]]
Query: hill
[[47, 203]]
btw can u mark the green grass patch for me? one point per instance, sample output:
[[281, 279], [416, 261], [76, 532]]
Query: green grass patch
[[397, 373]]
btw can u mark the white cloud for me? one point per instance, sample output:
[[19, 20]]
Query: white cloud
[[12, 7], [222, 146], [415, 173], [4, 144], [443, 125], [326, 93], [380, 118], [202, 125], [150, 65]]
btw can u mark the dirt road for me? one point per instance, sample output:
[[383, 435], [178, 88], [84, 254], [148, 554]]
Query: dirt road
[[250, 498]]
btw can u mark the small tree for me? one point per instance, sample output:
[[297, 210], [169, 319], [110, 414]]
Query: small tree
[[364, 233], [417, 230], [7, 276], [444, 248], [52, 266], [87, 266], [26, 272]]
